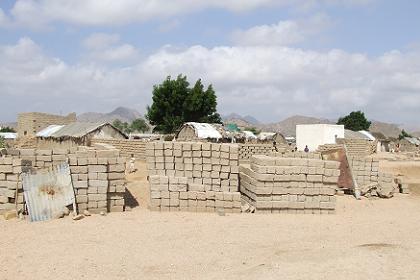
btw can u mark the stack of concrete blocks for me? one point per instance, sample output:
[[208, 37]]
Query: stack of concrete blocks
[[98, 179], [126, 147], [358, 147], [98, 176], [11, 191], [247, 150], [329, 147], [290, 185], [195, 177], [366, 171], [312, 155]]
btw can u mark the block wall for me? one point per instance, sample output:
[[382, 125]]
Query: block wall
[[359, 147], [193, 176], [297, 154], [126, 147], [291, 185], [31, 123], [98, 176], [366, 171], [247, 150]]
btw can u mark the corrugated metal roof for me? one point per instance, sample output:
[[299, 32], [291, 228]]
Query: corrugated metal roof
[[349, 134], [74, 130], [50, 130], [413, 140], [249, 134], [46, 194], [368, 135], [266, 135], [205, 130], [8, 135]]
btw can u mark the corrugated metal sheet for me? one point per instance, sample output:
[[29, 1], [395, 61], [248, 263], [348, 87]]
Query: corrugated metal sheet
[[413, 140], [8, 135], [367, 134], [50, 130], [47, 193], [349, 134], [205, 130], [74, 130]]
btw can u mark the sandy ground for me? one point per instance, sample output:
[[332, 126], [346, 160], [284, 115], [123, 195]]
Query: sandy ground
[[367, 239]]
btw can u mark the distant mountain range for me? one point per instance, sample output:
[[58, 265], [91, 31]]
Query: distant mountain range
[[288, 126], [248, 120], [121, 113]]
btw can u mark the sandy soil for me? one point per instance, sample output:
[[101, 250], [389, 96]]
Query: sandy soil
[[367, 239]]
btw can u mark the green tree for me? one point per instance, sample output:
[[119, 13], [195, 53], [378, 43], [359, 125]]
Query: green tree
[[139, 125], [253, 130], [2, 142], [7, 129], [355, 121], [175, 103], [123, 126], [403, 134]]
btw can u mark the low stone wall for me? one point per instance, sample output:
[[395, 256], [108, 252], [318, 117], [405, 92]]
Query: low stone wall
[[127, 147], [247, 150], [98, 176], [292, 185], [192, 176]]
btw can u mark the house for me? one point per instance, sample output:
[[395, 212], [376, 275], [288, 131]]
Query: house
[[76, 134], [314, 135]]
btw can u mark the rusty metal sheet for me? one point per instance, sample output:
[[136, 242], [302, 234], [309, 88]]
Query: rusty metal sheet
[[345, 180], [47, 193]]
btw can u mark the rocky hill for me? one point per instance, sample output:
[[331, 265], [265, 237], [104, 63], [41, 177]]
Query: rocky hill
[[287, 127], [387, 129], [122, 113]]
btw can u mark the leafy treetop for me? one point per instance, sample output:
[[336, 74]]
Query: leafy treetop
[[355, 121], [175, 102]]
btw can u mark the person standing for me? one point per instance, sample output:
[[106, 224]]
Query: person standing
[[306, 149]]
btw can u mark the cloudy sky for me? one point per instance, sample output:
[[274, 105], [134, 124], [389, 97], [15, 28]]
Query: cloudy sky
[[267, 58]]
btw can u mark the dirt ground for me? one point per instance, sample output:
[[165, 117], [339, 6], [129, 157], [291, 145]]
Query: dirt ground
[[366, 239]]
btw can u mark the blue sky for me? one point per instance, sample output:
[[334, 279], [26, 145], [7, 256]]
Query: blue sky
[[267, 58]]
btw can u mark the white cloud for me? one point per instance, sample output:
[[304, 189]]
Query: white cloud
[[37, 13], [100, 40], [283, 33], [103, 47], [268, 82]]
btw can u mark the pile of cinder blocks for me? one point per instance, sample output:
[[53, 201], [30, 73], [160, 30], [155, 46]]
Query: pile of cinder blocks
[[297, 154], [98, 176], [290, 185], [192, 176], [247, 150], [366, 171], [11, 191], [98, 179]]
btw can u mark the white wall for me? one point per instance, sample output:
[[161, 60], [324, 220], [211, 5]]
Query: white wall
[[314, 135]]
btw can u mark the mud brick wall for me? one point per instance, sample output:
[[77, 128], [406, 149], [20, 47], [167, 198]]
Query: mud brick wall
[[98, 176], [126, 147], [366, 170], [193, 176], [247, 150], [291, 185]]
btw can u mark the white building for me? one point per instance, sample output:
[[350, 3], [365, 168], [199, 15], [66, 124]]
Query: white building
[[313, 135]]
